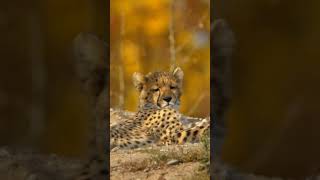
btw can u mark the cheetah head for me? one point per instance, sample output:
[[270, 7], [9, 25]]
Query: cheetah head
[[159, 89]]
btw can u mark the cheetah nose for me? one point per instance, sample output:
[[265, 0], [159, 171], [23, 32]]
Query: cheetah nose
[[167, 98]]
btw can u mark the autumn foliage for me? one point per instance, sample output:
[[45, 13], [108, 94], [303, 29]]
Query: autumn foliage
[[139, 42]]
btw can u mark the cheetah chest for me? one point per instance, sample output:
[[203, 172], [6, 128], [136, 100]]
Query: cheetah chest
[[162, 124]]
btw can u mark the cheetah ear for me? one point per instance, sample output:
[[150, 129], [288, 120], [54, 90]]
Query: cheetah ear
[[178, 73], [138, 80]]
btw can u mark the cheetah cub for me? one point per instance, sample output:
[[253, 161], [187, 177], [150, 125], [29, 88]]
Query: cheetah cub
[[157, 120]]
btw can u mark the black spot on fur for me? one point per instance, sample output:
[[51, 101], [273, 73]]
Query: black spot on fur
[[185, 139], [195, 132], [179, 134], [188, 133]]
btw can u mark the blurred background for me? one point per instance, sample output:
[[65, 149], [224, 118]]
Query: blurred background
[[41, 102], [274, 119], [139, 42]]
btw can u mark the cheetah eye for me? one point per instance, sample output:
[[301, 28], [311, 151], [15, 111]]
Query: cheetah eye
[[173, 87], [155, 89]]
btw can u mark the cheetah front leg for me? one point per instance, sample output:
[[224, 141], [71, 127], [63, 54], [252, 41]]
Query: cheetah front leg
[[132, 140]]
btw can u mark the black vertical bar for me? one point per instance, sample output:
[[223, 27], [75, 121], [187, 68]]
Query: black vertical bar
[[106, 35], [107, 30], [211, 92], [103, 30]]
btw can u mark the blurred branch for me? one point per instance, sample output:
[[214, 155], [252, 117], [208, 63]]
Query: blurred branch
[[171, 36], [196, 104], [121, 73], [202, 18], [121, 86]]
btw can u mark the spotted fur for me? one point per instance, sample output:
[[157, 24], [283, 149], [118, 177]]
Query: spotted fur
[[157, 121]]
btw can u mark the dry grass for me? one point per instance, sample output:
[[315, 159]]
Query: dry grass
[[158, 157], [186, 153], [205, 142], [181, 154], [134, 166], [199, 176]]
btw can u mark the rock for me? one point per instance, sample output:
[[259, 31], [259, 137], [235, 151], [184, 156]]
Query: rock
[[173, 162]]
